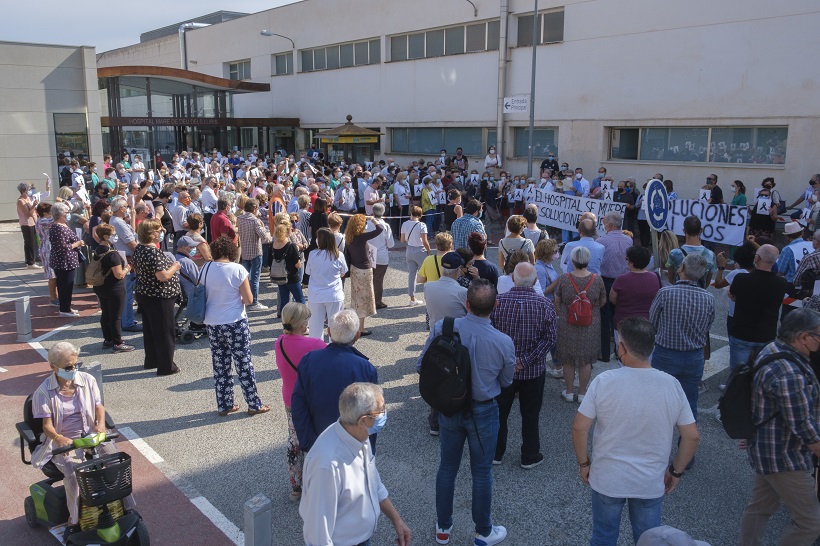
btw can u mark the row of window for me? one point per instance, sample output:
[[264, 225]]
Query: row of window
[[754, 145], [455, 40]]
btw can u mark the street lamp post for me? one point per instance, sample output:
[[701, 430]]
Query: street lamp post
[[269, 33], [532, 88]]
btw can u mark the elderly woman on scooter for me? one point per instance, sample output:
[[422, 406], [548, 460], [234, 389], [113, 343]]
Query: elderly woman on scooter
[[68, 402]]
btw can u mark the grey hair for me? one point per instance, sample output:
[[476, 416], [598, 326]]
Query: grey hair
[[59, 210], [526, 280], [295, 314], [343, 326], [768, 254], [694, 267], [613, 218], [798, 322], [580, 257], [61, 351], [378, 210], [445, 272], [357, 400], [638, 335], [118, 203], [23, 187]]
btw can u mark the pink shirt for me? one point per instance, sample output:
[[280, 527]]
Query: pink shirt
[[296, 347]]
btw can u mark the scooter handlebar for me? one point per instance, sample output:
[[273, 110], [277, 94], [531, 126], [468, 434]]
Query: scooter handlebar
[[72, 446]]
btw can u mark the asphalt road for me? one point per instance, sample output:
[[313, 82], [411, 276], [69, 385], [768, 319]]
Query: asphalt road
[[229, 460]]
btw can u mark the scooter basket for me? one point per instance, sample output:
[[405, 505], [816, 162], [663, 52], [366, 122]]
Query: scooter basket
[[105, 479]]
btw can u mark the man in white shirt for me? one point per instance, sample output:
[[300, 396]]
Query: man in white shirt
[[635, 410], [208, 201], [371, 195], [341, 486], [345, 198]]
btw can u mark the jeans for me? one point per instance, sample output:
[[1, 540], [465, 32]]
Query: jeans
[[686, 367], [479, 428], [414, 257], [644, 514], [285, 291], [530, 397], [128, 311], [265, 255], [607, 322], [254, 267], [429, 219], [740, 351], [378, 282]]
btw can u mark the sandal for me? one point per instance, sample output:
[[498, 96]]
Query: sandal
[[228, 411], [260, 409]]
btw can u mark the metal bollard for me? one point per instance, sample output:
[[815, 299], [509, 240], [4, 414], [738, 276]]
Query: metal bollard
[[23, 312], [95, 369], [258, 521]]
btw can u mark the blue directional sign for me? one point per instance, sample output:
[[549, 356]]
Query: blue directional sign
[[656, 204]]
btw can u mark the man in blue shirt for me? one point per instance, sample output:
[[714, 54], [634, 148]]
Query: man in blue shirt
[[587, 231], [493, 363], [468, 223], [322, 376], [791, 254]]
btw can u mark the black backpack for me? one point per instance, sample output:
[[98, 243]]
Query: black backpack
[[65, 176], [444, 378], [735, 404]]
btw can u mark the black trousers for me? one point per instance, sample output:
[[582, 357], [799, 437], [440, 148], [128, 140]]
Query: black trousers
[[646, 239], [112, 302], [65, 288], [378, 282], [206, 219], [29, 244], [607, 324], [530, 397], [158, 333]]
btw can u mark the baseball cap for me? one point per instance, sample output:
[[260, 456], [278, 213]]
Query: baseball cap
[[452, 260], [186, 241], [668, 536]]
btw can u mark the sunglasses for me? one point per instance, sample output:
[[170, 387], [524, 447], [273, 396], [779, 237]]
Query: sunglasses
[[77, 365]]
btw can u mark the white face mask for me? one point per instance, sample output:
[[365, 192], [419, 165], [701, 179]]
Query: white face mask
[[579, 176]]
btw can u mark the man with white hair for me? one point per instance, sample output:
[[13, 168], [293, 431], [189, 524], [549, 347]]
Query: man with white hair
[[345, 198], [125, 243], [530, 320], [341, 485], [587, 231], [615, 245], [322, 376]]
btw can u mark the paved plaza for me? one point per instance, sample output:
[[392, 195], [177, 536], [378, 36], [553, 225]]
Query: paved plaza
[[183, 449]]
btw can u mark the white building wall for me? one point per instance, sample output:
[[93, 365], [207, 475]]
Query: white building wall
[[37, 81], [160, 52], [624, 63]]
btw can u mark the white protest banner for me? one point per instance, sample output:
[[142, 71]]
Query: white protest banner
[[725, 224], [563, 211]]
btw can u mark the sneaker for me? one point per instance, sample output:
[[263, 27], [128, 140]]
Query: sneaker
[[257, 307], [568, 396], [497, 462], [54, 303], [702, 388], [498, 534], [123, 348], [72, 314], [34, 266], [722, 387], [555, 373], [532, 464], [580, 398], [433, 431], [416, 303], [443, 535], [295, 496]]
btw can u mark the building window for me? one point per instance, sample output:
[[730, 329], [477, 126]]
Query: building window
[[550, 28], [71, 136], [754, 145], [446, 41], [430, 140], [283, 63], [341, 56], [240, 70], [544, 140]]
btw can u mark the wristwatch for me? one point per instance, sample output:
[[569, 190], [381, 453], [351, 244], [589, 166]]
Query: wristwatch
[[674, 472]]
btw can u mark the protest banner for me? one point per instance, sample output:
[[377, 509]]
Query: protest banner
[[724, 224], [563, 211]]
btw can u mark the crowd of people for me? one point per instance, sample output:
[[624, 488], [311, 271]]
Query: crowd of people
[[234, 225]]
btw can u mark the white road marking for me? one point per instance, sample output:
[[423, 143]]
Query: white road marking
[[210, 511], [3, 370], [47, 335], [39, 348], [146, 450], [218, 518]]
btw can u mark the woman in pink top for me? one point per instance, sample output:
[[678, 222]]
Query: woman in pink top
[[290, 347], [633, 292]]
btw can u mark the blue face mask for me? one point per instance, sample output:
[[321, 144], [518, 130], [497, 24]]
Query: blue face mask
[[379, 423], [161, 237], [192, 252], [69, 376], [68, 217]]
